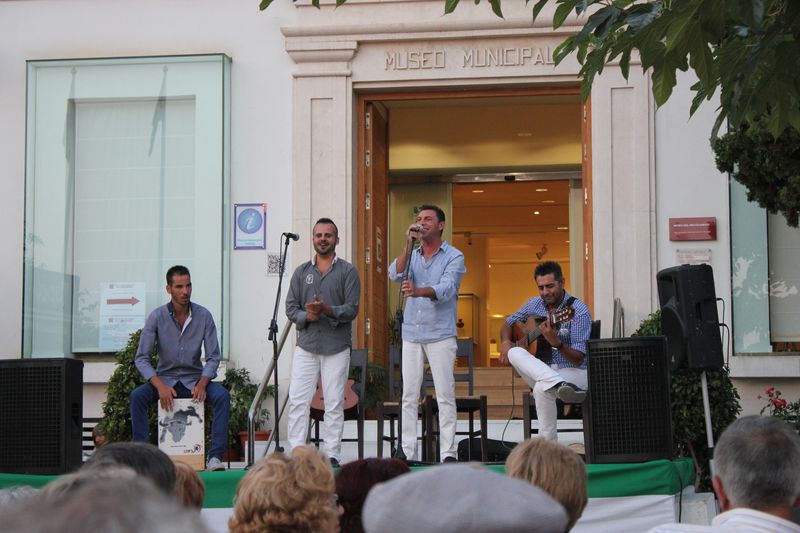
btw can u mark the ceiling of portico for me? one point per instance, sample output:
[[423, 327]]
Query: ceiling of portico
[[478, 144]]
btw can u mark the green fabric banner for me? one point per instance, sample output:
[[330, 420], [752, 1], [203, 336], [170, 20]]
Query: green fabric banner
[[613, 480]]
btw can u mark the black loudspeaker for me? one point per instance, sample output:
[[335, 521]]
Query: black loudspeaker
[[496, 450], [41, 415], [689, 316], [628, 412]]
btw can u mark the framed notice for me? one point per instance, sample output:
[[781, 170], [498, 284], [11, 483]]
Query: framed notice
[[181, 432], [249, 226]]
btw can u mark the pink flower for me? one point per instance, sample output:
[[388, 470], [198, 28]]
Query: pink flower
[[769, 391]]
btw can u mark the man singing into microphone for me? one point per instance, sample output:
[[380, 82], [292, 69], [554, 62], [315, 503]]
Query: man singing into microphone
[[322, 302], [429, 325]]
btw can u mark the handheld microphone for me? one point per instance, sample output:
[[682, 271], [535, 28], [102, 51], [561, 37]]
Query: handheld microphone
[[293, 236]]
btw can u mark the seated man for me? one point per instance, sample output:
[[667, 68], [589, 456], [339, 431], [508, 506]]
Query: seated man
[[180, 328], [757, 478], [563, 375]]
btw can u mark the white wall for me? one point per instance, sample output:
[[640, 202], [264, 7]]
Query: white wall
[[688, 184], [261, 130]]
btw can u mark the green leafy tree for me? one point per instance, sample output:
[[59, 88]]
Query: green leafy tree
[[688, 417], [768, 167], [746, 51]]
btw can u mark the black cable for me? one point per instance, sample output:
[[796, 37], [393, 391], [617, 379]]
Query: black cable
[[511, 412]]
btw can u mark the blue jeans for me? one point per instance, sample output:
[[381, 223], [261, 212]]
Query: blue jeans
[[146, 395]]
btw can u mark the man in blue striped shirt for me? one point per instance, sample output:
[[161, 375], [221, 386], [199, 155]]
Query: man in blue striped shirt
[[564, 375], [431, 285]]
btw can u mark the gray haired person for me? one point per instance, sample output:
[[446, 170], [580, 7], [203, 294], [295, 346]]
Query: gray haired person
[[757, 478]]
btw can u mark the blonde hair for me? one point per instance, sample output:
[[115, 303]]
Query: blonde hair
[[189, 488], [286, 493], [553, 468]]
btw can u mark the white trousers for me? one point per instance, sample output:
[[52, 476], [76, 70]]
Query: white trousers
[[441, 356], [542, 378], [332, 370]]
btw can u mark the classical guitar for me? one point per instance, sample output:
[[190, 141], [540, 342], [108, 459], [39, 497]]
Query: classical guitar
[[318, 401], [525, 334]]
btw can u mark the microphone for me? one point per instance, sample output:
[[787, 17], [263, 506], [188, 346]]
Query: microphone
[[293, 236]]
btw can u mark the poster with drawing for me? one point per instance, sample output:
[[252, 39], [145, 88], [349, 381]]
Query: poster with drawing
[[181, 432]]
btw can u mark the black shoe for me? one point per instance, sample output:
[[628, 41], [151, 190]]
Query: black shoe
[[450, 459], [569, 393], [334, 462]]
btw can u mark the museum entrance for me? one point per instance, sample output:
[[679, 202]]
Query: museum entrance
[[510, 168]]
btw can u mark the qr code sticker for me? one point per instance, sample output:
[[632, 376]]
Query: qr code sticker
[[273, 264]]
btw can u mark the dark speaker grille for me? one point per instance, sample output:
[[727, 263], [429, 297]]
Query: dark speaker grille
[[629, 407], [41, 413]]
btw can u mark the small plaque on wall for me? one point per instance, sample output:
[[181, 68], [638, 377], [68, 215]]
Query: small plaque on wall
[[693, 229], [693, 257]]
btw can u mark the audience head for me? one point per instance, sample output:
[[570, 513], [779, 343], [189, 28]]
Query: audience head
[[757, 461], [283, 493], [189, 488], [142, 457], [12, 495], [354, 480], [98, 435], [66, 485], [453, 499], [553, 468], [111, 505]]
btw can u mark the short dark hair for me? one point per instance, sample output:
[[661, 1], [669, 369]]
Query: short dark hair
[[549, 267], [325, 220], [431, 207], [177, 270], [142, 457], [354, 481]]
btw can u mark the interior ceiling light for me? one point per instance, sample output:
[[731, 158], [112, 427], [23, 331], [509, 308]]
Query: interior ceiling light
[[567, 241], [562, 227], [548, 201], [536, 212], [478, 190], [524, 134], [541, 190]]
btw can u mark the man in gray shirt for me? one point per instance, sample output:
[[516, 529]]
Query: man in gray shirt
[[180, 328], [322, 302]]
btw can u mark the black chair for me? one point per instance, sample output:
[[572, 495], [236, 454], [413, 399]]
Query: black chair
[[358, 359], [469, 404], [563, 411], [390, 409]]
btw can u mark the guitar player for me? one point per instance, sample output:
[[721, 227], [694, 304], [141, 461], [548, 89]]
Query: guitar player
[[556, 369], [322, 302]]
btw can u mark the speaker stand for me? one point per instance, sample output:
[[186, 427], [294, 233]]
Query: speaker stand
[[707, 412]]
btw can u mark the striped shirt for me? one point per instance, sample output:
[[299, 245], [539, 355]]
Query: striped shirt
[[574, 333]]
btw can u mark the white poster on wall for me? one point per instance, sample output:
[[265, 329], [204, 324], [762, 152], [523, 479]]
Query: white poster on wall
[[122, 309]]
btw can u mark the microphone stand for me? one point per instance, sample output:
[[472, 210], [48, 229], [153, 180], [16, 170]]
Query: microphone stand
[[398, 321], [273, 336]]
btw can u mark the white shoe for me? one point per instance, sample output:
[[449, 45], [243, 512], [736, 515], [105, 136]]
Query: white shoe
[[214, 464]]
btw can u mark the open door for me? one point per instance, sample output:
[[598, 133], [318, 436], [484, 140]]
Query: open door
[[371, 258], [586, 167]]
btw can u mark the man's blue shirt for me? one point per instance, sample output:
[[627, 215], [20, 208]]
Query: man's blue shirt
[[574, 333], [427, 320], [179, 351]]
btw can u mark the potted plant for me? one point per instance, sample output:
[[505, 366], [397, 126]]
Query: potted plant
[[243, 390], [688, 417]]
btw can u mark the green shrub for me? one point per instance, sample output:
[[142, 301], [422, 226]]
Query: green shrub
[[688, 418]]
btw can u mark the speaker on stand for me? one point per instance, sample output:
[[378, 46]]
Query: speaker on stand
[[689, 316], [41, 415], [628, 411]]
